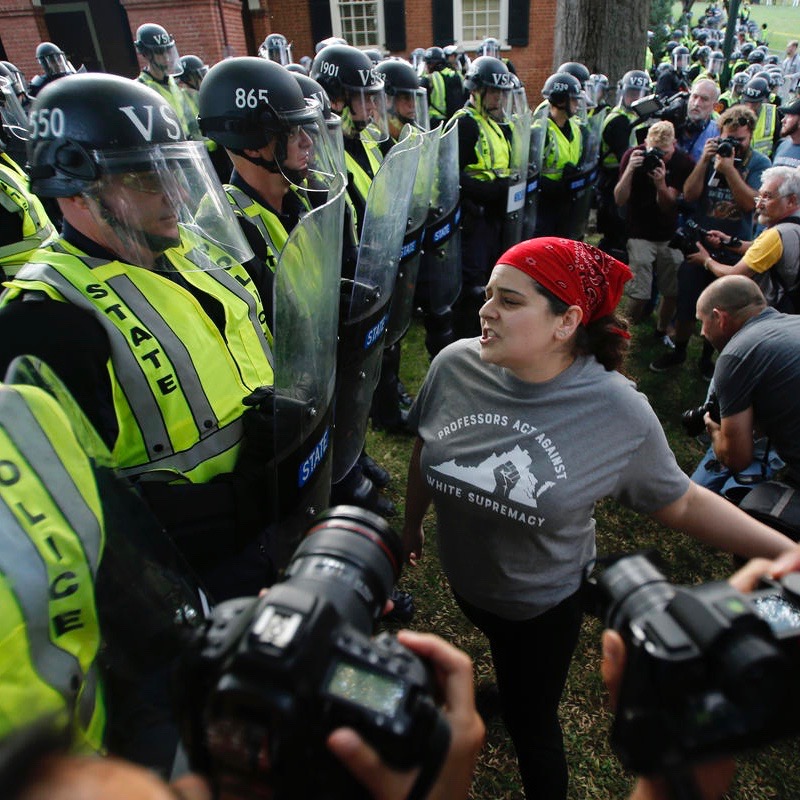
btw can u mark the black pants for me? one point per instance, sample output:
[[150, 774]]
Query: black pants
[[531, 661]]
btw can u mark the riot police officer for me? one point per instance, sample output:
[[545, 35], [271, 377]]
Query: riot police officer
[[157, 48], [675, 79], [54, 65], [24, 223], [562, 148], [151, 320], [484, 158], [444, 86], [755, 95], [276, 48]]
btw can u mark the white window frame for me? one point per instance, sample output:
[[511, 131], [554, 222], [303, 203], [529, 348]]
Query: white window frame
[[471, 44], [336, 22]]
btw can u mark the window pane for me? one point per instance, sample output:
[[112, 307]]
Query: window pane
[[359, 22]]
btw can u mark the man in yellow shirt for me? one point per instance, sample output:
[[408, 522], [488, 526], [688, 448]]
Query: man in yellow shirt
[[772, 260]]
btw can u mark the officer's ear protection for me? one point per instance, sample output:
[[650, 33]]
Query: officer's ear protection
[[67, 159]]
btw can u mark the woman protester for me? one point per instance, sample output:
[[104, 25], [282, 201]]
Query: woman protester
[[520, 433]]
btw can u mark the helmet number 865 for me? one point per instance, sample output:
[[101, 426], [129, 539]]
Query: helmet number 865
[[250, 98], [46, 122]]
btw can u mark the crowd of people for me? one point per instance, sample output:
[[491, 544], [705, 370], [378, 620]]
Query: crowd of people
[[209, 272]]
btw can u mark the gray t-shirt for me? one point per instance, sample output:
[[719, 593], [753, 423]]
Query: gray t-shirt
[[760, 367], [516, 468]]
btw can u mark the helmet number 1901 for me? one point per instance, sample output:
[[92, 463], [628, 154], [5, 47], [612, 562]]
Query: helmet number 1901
[[46, 123], [250, 98]]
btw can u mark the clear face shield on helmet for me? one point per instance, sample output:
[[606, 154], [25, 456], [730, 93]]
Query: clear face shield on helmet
[[365, 113], [166, 59], [519, 101], [496, 102], [13, 115], [149, 200], [490, 47], [680, 61], [277, 49], [56, 64], [409, 108], [715, 65], [306, 155], [631, 94]]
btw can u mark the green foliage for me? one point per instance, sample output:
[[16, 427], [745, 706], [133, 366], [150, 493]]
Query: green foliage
[[594, 770], [661, 24]]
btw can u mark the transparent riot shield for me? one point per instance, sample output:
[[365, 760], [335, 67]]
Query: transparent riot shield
[[439, 279], [365, 301], [147, 597], [520, 125], [583, 182], [410, 253], [306, 314], [535, 156]]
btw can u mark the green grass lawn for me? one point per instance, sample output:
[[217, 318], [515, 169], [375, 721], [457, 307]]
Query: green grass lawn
[[594, 771], [783, 21]]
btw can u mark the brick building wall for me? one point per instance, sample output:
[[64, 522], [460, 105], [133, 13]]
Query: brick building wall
[[22, 28], [292, 20]]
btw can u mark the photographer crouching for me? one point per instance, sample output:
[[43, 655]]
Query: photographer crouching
[[651, 178], [723, 187]]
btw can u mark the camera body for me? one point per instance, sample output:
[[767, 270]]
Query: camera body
[[653, 158], [672, 109], [727, 147], [710, 670], [693, 418], [270, 678], [687, 236]]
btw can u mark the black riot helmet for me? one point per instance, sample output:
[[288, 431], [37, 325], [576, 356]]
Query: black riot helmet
[[374, 55], [53, 60], [157, 46], [560, 88], [716, 62], [276, 48], [702, 54], [635, 84], [313, 91], [401, 79], [349, 77], [246, 103], [489, 47], [120, 144], [680, 58], [738, 82], [486, 72], [17, 78], [435, 59], [756, 56], [756, 90], [193, 70], [576, 69]]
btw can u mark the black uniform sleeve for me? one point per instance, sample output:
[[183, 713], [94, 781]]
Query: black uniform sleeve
[[73, 344]]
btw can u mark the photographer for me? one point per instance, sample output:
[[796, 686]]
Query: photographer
[[723, 187], [651, 178], [773, 259], [699, 126], [711, 779], [757, 375]]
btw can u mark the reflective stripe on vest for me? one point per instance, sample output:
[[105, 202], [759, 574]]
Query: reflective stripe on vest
[[560, 151], [438, 102], [492, 150], [765, 129], [177, 384], [173, 94], [50, 536], [268, 224], [37, 230]]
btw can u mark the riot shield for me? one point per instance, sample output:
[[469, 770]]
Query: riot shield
[[439, 279], [535, 155], [306, 314], [584, 180], [520, 125], [403, 296], [365, 304]]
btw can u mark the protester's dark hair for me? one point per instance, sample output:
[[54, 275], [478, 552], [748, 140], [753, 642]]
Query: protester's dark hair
[[603, 338]]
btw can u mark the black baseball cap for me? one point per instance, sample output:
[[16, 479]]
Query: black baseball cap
[[792, 108]]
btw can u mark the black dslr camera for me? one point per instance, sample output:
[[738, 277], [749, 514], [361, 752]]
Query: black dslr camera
[[710, 670], [653, 158], [692, 419], [686, 237], [270, 678], [727, 146]]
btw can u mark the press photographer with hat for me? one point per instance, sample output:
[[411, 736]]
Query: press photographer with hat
[[787, 153]]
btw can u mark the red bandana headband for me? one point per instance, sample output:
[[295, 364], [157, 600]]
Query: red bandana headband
[[576, 273]]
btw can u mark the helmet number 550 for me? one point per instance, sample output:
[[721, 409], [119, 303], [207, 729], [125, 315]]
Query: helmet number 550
[[46, 123]]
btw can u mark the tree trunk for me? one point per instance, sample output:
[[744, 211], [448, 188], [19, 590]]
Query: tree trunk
[[608, 36]]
